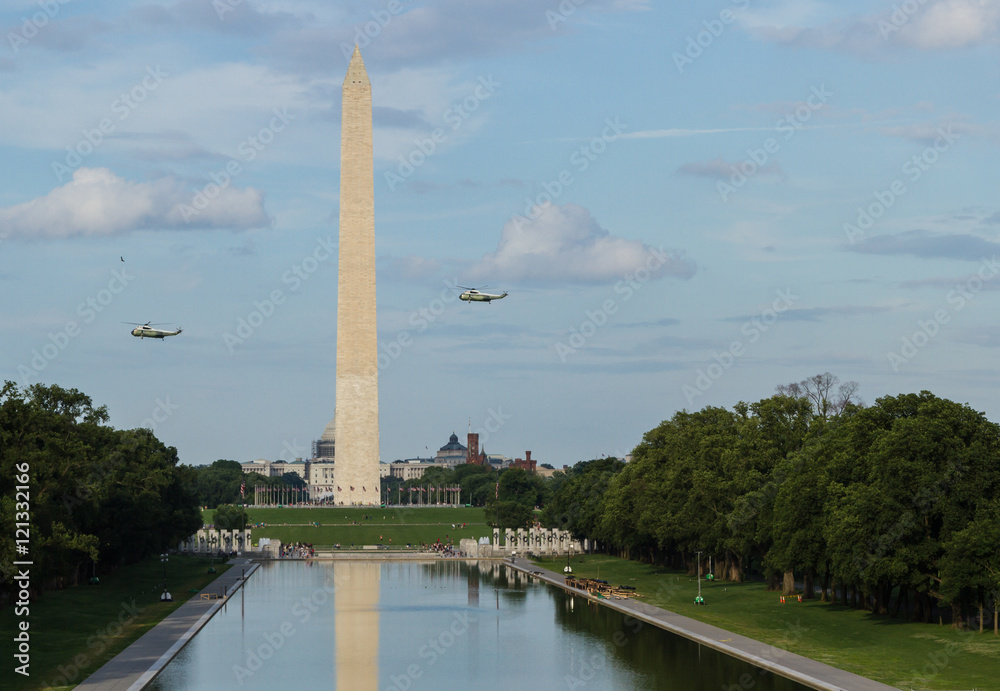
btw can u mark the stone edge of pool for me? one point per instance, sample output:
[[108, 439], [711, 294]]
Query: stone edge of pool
[[136, 666], [816, 675]]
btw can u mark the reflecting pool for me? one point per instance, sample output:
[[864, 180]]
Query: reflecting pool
[[401, 626]]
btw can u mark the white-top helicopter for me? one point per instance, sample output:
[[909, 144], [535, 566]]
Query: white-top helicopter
[[147, 331], [474, 295]]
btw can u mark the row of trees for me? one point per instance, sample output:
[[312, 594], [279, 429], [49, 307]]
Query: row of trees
[[95, 498], [219, 483], [892, 507], [478, 486]]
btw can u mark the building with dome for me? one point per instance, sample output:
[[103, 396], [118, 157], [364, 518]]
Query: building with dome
[[325, 446], [452, 453]]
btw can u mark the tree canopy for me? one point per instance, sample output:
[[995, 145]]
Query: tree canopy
[[95, 497]]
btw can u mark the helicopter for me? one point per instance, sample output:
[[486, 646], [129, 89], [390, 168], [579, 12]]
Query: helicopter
[[147, 331], [474, 295]]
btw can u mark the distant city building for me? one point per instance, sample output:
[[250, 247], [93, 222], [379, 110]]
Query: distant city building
[[414, 468], [320, 478], [525, 464], [472, 455], [497, 461], [325, 446], [265, 468], [452, 453], [299, 467]]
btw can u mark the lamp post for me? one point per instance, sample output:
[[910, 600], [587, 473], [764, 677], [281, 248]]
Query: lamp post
[[165, 597], [569, 553], [699, 600]]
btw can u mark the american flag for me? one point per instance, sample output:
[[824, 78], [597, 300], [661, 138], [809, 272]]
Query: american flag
[[243, 488]]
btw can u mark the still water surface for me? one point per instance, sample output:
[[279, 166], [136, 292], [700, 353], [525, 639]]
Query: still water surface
[[400, 626]]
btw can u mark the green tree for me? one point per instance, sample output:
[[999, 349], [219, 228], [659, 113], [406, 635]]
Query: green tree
[[97, 495], [230, 517], [578, 502], [908, 476]]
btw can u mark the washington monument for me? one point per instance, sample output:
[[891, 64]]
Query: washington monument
[[356, 415]]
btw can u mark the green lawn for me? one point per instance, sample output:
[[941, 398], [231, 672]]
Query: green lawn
[[903, 654], [75, 631], [401, 526]]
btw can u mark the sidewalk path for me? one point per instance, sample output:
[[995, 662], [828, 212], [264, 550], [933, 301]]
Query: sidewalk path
[[136, 666], [816, 675]]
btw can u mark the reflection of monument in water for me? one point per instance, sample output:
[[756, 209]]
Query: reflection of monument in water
[[356, 624]]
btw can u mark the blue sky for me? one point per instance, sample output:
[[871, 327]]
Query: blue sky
[[689, 204]]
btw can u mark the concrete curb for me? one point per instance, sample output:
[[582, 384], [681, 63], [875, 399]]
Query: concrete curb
[[136, 666], [816, 675]]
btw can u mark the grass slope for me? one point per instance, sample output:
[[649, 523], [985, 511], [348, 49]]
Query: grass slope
[[904, 654], [76, 630], [401, 526]]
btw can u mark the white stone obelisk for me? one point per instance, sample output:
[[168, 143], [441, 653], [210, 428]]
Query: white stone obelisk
[[356, 414]]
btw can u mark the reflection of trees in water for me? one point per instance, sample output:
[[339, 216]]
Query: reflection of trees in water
[[659, 655]]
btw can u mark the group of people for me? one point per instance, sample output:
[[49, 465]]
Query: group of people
[[297, 550], [446, 549]]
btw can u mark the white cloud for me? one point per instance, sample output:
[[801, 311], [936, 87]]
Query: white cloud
[[934, 25], [98, 202], [566, 244], [954, 24]]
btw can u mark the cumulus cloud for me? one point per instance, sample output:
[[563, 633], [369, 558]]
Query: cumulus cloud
[[566, 244], [98, 202], [954, 24]]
